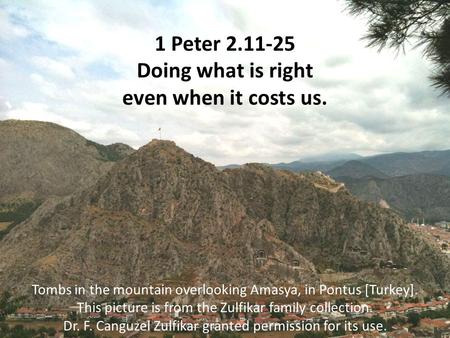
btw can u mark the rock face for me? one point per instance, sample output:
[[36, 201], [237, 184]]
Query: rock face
[[331, 228], [162, 214]]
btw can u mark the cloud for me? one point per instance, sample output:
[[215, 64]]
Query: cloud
[[41, 112], [11, 30], [75, 74], [54, 67], [5, 106]]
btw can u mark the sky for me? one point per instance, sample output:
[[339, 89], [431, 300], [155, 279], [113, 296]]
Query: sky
[[71, 61]]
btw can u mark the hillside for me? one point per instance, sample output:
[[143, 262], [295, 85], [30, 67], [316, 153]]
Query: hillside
[[163, 214], [41, 159], [414, 196], [356, 169], [401, 164], [299, 166]]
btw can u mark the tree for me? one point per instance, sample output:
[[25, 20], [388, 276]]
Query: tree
[[395, 23], [414, 318], [72, 316], [340, 331], [9, 304]]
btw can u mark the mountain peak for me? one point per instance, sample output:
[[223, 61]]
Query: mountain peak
[[157, 145], [162, 143], [163, 151]]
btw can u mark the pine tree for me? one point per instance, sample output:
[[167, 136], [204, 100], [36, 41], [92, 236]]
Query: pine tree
[[395, 23]]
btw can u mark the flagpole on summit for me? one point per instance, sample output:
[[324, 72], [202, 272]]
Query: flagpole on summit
[[159, 129]]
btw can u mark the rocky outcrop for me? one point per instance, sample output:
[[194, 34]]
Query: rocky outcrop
[[332, 228]]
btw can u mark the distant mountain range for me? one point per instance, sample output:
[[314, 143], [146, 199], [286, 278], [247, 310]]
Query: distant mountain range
[[414, 184], [395, 164], [331, 157], [115, 216]]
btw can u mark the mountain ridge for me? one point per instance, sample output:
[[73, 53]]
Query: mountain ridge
[[356, 169], [163, 213]]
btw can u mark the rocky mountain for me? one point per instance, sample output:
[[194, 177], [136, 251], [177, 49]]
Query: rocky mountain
[[41, 159], [163, 214], [421, 196], [355, 169]]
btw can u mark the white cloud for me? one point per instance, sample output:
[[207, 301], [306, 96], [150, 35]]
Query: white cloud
[[54, 67], [80, 66], [40, 112], [9, 29], [103, 133]]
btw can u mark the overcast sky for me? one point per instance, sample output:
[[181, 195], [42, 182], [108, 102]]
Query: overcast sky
[[70, 62]]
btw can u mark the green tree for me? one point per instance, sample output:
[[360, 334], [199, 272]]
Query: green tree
[[72, 316], [414, 318], [340, 331], [442, 313], [423, 22], [9, 304]]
